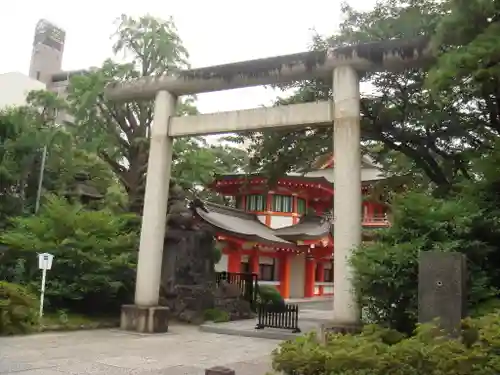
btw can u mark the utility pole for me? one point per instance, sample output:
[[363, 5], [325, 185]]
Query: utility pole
[[40, 179]]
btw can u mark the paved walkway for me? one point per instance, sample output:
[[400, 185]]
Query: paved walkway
[[309, 320], [183, 351]]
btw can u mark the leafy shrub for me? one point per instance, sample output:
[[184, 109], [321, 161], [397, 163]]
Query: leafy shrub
[[218, 252], [216, 315], [386, 271], [268, 294], [18, 309], [428, 352], [95, 256]]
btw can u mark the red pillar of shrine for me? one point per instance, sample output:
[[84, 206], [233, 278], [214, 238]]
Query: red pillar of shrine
[[234, 262], [309, 277], [285, 276]]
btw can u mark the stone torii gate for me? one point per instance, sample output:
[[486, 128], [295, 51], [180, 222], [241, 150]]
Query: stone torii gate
[[342, 65]]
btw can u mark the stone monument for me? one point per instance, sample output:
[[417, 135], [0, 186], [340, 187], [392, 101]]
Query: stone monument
[[188, 285], [442, 292], [188, 273]]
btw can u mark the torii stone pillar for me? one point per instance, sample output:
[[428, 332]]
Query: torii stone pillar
[[347, 196], [146, 315]]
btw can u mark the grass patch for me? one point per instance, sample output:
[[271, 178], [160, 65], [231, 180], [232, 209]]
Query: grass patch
[[64, 321], [216, 316]]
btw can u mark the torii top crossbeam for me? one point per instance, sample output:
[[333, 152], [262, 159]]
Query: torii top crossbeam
[[384, 55]]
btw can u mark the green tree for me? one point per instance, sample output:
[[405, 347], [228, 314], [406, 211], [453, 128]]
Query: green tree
[[197, 162], [95, 255], [119, 132], [468, 67], [401, 120], [24, 132], [466, 220], [386, 270]]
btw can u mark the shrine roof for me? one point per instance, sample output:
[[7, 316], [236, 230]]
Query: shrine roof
[[289, 176], [239, 223], [247, 225], [309, 227], [296, 176]]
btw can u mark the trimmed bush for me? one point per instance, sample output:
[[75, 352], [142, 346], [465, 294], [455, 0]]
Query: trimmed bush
[[18, 309], [379, 351], [269, 295]]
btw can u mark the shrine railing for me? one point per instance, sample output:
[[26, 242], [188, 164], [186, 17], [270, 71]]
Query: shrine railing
[[366, 220], [282, 317], [247, 282]]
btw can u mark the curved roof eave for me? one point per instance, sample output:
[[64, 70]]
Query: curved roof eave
[[242, 227]]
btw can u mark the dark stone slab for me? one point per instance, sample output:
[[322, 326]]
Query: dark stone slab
[[442, 292], [219, 370], [188, 269]]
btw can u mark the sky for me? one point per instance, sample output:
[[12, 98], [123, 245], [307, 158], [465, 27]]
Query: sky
[[214, 32]]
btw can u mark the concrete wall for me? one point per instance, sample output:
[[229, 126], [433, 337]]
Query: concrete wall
[[14, 88], [368, 173], [222, 265], [297, 275], [281, 221]]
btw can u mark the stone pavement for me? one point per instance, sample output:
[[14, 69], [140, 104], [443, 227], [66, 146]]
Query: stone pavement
[[183, 351], [312, 316]]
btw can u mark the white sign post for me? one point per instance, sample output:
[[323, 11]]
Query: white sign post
[[44, 263]]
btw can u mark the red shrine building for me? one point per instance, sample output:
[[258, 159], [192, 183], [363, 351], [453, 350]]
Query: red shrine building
[[285, 235]]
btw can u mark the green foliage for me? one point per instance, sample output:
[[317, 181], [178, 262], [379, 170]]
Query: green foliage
[[410, 131], [18, 309], [428, 351], [196, 162], [268, 294], [119, 132], [23, 133], [95, 255], [216, 315], [386, 271], [218, 251]]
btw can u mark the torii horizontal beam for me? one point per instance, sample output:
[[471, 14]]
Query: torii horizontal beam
[[376, 56], [286, 116]]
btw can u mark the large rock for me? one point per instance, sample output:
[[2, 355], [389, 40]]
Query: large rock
[[188, 273], [188, 270], [228, 298]]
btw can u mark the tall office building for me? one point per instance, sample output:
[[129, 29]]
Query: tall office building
[[47, 52]]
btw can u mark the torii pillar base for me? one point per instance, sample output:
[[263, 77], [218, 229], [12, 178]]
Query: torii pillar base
[[144, 319]]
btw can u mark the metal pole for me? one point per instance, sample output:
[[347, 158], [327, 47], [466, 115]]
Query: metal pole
[[42, 292], [40, 180]]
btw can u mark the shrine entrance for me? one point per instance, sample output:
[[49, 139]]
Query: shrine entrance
[[342, 65]]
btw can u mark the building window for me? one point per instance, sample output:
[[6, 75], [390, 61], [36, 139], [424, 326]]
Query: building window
[[239, 201], [327, 274], [245, 267], [256, 202], [266, 271], [301, 206], [282, 203], [38, 75]]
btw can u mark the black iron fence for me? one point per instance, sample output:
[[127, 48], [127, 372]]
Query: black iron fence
[[247, 282], [283, 317]]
